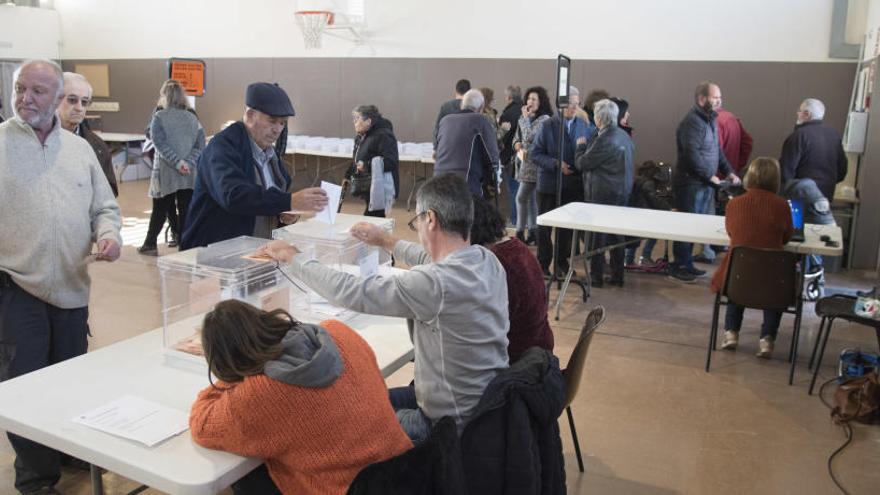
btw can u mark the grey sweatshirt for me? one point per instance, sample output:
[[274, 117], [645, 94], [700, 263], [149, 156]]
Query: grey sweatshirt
[[458, 308], [310, 358], [56, 202]]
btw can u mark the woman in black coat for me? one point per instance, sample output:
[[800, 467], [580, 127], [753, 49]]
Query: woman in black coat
[[375, 149]]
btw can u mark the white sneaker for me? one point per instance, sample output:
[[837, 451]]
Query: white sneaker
[[765, 347], [731, 339]]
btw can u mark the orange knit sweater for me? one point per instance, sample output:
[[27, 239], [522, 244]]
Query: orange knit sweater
[[314, 440], [759, 219]]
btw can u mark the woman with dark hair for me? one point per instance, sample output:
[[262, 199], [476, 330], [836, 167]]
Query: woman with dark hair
[[375, 157], [535, 112], [179, 139], [527, 304], [307, 399]]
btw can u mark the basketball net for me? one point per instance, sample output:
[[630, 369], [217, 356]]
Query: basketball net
[[312, 24]]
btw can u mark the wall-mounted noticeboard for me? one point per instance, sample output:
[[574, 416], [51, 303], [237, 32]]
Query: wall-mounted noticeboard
[[190, 73], [98, 76]]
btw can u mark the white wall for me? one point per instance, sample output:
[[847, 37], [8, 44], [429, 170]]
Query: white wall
[[873, 30], [742, 30], [27, 32]]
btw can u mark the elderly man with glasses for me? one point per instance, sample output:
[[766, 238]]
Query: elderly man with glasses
[[455, 295], [72, 114]]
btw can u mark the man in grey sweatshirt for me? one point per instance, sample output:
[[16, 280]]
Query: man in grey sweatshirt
[[455, 297], [56, 204]]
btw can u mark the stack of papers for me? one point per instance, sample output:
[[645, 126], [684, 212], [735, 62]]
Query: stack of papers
[[136, 419]]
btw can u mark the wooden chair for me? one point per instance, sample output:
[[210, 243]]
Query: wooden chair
[[575, 369], [830, 308], [761, 279]]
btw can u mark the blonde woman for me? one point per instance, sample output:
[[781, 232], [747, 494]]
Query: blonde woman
[[179, 139]]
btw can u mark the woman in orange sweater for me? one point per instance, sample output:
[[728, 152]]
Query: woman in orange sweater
[[308, 399], [759, 218]]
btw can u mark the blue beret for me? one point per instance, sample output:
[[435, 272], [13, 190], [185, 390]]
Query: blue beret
[[269, 99]]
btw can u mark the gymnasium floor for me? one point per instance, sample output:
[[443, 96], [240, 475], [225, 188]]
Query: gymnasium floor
[[650, 420]]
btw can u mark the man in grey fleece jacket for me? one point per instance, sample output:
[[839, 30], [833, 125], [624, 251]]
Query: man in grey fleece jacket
[[56, 204], [455, 296]]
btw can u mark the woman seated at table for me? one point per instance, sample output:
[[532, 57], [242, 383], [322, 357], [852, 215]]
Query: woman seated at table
[[307, 399], [761, 219], [526, 299]]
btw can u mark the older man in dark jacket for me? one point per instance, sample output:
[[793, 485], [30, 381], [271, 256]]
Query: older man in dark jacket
[[466, 145], [699, 160], [814, 150], [607, 168], [241, 187]]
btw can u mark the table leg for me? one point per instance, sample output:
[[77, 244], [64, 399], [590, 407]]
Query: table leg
[[568, 276], [417, 179], [97, 480]]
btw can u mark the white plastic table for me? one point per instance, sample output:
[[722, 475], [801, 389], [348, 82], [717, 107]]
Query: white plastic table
[[39, 405], [669, 225]]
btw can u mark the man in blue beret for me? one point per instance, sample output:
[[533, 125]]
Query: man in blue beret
[[241, 187]]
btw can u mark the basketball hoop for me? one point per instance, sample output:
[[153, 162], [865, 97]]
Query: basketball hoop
[[312, 24]]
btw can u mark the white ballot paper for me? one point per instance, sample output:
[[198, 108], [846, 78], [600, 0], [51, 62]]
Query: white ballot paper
[[136, 419], [369, 264], [334, 192]]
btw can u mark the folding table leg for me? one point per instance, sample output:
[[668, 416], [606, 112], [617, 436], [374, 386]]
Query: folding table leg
[[568, 276], [97, 480], [713, 331]]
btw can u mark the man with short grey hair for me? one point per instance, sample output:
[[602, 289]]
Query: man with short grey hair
[[72, 112], [58, 204], [607, 168], [467, 146], [455, 295], [814, 150]]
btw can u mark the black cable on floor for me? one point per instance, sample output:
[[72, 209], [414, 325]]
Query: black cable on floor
[[847, 428]]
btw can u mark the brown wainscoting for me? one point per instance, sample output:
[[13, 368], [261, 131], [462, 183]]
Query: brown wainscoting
[[409, 92]]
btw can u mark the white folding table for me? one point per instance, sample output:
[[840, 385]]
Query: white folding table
[[39, 406], [668, 225]]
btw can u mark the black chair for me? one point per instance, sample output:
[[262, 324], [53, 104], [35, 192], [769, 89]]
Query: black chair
[[831, 308], [761, 279], [575, 369]]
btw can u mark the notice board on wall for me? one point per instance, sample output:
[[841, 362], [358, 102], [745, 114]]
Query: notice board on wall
[[98, 76], [190, 73]]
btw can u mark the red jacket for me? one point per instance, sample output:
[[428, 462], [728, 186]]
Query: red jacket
[[735, 142]]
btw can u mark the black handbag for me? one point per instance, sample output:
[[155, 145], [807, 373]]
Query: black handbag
[[359, 185]]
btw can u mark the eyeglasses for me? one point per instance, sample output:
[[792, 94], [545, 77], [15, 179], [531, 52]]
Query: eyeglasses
[[412, 223], [73, 100]]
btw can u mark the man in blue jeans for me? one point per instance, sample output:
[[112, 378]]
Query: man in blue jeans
[[699, 160]]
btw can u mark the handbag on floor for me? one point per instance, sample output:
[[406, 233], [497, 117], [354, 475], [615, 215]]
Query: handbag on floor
[[857, 399]]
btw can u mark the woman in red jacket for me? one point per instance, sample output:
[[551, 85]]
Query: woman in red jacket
[[759, 218], [307, 399]]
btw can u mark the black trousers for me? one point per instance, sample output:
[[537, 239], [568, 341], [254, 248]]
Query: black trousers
[[373, 213], [174, 207], [547, 202], [597, 263], [257, 482], [33, 335]]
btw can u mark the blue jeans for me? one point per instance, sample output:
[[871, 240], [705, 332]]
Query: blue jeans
[[413, 421], [733, 319], [646, 251], [690, 198], [512, 188]]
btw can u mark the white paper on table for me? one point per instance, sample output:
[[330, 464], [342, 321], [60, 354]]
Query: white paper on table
[[334, 192], [136, 419], [369, 264]]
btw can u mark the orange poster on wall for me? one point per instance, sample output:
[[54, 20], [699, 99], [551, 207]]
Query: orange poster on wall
[[189, 73]]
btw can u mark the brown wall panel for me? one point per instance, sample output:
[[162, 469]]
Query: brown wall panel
[[409, 91]]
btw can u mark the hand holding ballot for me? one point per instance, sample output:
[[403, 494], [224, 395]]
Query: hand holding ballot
[[279, 251], [310, 199]]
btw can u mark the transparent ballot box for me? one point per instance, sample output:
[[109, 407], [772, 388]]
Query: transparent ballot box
[[333, 244], [193, 281]]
